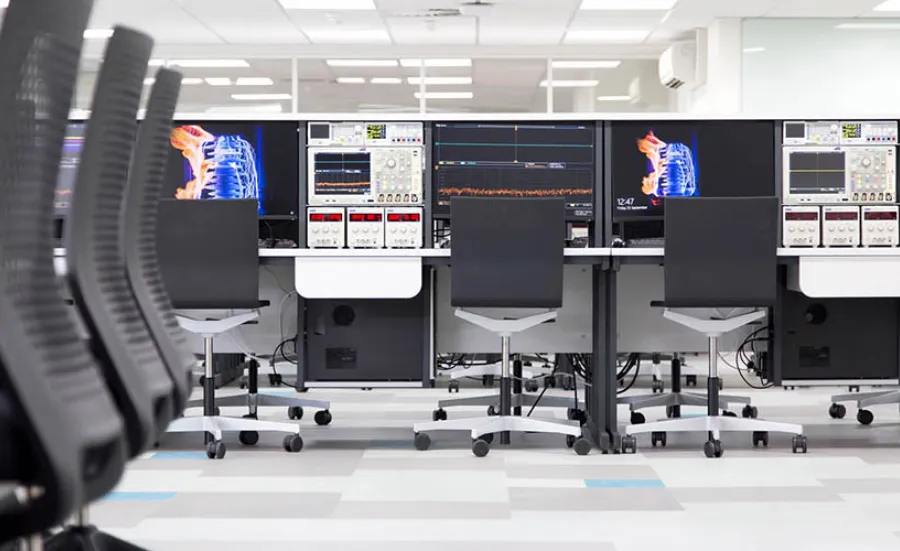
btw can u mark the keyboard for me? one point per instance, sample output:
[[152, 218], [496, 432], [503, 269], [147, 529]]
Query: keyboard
[[647, 242]]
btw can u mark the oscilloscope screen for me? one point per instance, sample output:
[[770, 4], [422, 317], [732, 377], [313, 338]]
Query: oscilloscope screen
[[68, 168], [515, 160], [820, 172], [342, 173], [236, 160]]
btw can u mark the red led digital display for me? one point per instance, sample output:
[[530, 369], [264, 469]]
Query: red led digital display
[[841, 216], [801, 216], [881, 215], [367, 217], [406, 217], [330, 217]]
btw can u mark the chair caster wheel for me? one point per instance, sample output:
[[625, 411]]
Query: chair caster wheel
[[580, 445], [215, 450], [453, 386], [837, 411], [295, 413], [489, 438], [760, 437], [798, 444], [422, 441], [690, 380], [531, 385], [658, 438], [657, 386], [749, 412], [637, 418], [480, 447], [248, 437], [574, 414], [713, 448], [670, 412], [549, 382], [629, 444], [439, 415], [865, 417], [729, 414], [323, 417], [216, 411], [492, 411], [721, 385], [292, 443]]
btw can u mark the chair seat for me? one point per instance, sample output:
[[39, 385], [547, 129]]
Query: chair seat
[[505, 327], [713, 326]]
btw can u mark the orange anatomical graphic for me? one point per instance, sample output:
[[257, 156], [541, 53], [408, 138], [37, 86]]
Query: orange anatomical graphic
[[671, 170], [189, 140]]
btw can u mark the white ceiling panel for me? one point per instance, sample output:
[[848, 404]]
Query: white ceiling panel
[[236, 22], [459, 30], [165, 20], [822, 8]]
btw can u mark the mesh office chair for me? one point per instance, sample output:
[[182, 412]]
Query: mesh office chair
[[720, 262], [507, 254], [60, 433]]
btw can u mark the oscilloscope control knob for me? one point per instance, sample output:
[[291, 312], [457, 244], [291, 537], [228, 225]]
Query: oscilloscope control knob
[[391, 163], [866, 162]]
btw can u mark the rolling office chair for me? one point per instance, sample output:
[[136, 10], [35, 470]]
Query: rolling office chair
[[721, 256], [148, 395], [60, 433], [222, 274], [507, 253], [863, 400]]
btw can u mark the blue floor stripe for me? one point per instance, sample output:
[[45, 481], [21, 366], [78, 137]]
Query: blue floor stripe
[[179, 455], [139, 496], [624, 483]]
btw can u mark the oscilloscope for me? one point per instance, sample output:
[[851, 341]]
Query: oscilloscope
[[359, 134], [841, 174], [351, 176]]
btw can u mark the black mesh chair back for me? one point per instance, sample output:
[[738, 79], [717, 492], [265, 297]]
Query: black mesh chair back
[[95, 259], [507, 253], [59, 428], [721, 252], [141, 215]]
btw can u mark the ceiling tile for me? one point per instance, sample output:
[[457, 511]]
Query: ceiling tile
[[461, 30], [270, 24]]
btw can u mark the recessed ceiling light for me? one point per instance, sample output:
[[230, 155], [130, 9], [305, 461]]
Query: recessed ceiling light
[[888, 5], [438, 81], [260, 97], [628, 5], [613, 98], [209, 63], [438, 62], [361, 62], [333, 36], [868, 26], [586, 64], [218, 81], [445, 95], [97, 34], [606, 35], [254, 81], [328, 5], [351, 80], [754, 50], [571, 83], [386, 80]]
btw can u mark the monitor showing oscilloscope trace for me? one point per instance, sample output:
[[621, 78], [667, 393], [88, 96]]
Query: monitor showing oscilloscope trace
[[474, 159], [68, 168], [342, 172]]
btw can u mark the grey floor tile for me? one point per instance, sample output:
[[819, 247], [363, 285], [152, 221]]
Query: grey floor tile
[[122, 514], [362, 546], [249, 506], [421, 510], [592, 499], [304, 463], [767, 494], [863, 486], [603, 472], [425, 463]]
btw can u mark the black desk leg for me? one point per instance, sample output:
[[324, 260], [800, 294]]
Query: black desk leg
[[676, 383], [517, 383], [505, 388], [209, 385], [601, 394], [252, 387]]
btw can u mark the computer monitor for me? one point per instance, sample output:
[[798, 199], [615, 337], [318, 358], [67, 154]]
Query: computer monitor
[[652, 160], [68, 168], [508, 159], [237, 160]]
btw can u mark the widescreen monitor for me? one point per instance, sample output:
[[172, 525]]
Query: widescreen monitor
[[485, 159], [68, 168], [236, 160], [650, 161]]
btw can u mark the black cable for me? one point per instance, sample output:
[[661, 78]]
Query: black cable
[[742, 358], [634, 359]]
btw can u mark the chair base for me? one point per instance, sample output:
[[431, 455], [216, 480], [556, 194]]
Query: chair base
[[517, 400], [673, 399], [265, 400], [248, 430], [867, 399], [87, 538], [483, 429]]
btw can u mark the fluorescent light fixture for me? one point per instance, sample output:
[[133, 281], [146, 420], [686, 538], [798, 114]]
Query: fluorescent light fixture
[[261, 97], [328, 5], [586, 64], [628, 5], [438, 62], [570, 83], [888, 5], [613, 98], [210, 63], [754, 50], [440, 81], [606, 35], [334, 36], [351, 80], [184, 82], [97, 34], [263, 108], [254, 81], [386, 80], [868, 26], [445, 95], [361, 62], [218, 81]]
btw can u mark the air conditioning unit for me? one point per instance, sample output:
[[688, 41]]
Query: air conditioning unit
[[678, 66]]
